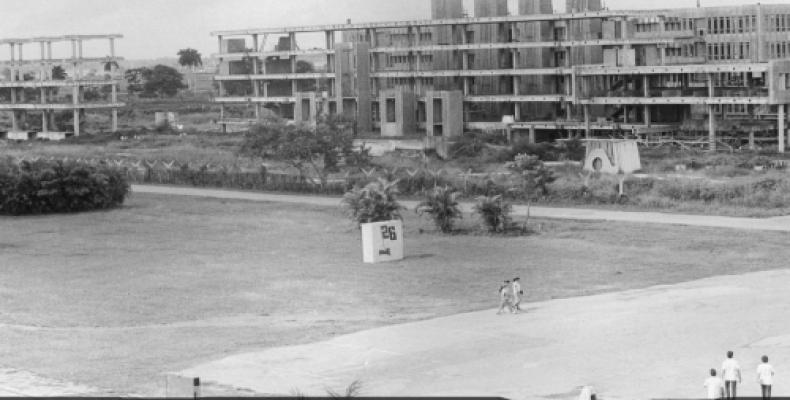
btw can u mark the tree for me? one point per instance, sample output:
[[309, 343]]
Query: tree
[[375, 202], [303, 147], [135, 79], [442, 206], [161, 80], [494, 212], [58, 73], [189, 58], [164, 81], [533, 172], [108, 66]]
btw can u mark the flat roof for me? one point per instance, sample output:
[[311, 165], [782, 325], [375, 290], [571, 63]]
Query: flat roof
[[64, 38]]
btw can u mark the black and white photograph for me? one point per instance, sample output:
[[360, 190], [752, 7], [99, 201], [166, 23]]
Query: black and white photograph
[[338, 199]]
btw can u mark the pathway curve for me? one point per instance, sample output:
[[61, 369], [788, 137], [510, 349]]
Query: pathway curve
[[658, 342], [781, 224]]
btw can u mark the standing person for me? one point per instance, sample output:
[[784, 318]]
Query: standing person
[[731, 373], [517, 292], [505, 293], [715, 385], [765, 377]]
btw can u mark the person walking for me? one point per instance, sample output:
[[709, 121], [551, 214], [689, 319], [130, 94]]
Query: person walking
[[765, 377], [517, 292], [731, 373], [505, 294], [715, 385]]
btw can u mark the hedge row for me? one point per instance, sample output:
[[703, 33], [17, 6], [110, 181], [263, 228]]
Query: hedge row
[[45, 187]]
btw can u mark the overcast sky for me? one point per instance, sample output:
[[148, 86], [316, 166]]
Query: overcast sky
[[158, 28]]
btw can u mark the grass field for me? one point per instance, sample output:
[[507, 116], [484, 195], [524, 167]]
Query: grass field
[[115, 299]]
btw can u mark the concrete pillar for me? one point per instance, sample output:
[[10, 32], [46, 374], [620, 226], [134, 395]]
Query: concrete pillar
[[532, 135], [780, 122], [646, 90], [112, 47], [751, 140], [759, 52], [44, 119], [14, 122], [711, 128], [587, 130], [13, 64], [42, 66], [76, 122], [114, 120]]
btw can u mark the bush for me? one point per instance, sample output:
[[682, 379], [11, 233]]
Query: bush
[[442, 205], [494, 213], [57, 187], [373, 203]]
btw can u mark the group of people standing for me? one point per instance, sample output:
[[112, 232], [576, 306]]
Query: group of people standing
[[510, 296], [726, 385]]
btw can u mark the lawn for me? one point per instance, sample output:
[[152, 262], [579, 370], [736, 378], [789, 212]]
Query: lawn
[[115, 299]]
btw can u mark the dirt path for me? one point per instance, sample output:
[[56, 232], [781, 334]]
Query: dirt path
[[657, 342], [781, 224]]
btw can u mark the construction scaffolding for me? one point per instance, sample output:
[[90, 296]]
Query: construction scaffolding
[[685, 74], [34, 86]]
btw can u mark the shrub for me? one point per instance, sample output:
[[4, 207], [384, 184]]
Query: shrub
[[535, 176], [442, 205], [373, 203], [494, 213], [57, 187]]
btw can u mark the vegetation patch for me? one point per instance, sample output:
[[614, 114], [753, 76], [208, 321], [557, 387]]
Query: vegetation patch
[[46, 187]]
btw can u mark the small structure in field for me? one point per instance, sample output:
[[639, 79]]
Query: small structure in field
[[612, 156]]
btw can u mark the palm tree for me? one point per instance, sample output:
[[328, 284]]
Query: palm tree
[[190, 58]]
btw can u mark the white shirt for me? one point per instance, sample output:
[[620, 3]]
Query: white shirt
[[731, 369], [765, 374], [516, 289], [715, 386]]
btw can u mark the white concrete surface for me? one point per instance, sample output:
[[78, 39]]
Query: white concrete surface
[[658, 342]]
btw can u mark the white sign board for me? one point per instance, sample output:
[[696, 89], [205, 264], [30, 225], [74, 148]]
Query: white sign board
[[382, 241]]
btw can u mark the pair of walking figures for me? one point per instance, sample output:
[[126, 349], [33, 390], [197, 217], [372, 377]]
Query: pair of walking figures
[[510, 296]]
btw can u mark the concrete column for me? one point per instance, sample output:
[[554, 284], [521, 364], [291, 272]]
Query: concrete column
[[780, 122], [517, 111], [646, 89], [14, 122], [76, 122], [13, 63], [711, 128], [587, 130], [751, 140], [42, 66], [759, 52], [532, 135], [112, 47], [256, 85], [44, 118]]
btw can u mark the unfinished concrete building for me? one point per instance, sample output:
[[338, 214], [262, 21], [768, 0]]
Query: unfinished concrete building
[[708, 76], [35, 85]]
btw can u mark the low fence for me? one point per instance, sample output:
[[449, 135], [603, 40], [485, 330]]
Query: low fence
[[261, 178]]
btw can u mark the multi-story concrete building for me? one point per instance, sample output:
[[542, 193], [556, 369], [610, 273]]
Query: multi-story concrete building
[[28, 85], [713, 75]]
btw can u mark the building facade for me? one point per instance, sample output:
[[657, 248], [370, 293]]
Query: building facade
[[29, 85], [718, 76]]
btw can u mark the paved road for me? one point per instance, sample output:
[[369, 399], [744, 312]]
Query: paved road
[[768, 224], [658, 342]]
